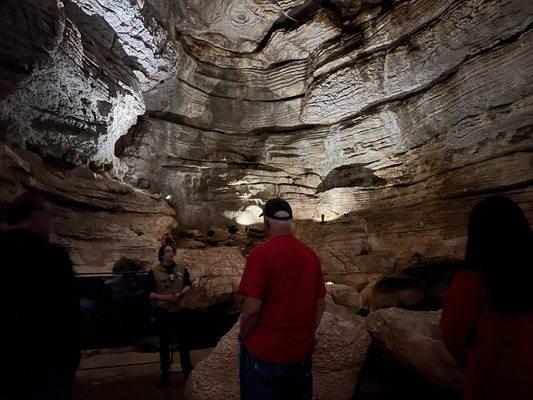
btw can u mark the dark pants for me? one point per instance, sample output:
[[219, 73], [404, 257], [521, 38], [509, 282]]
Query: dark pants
[[260, 380], [173, 324], [59, 387]]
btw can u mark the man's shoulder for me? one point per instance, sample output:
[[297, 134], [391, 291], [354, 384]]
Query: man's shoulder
[[304, 248], [16, 241], [19, 235], [470, 278], [260, 248], [57, 251]]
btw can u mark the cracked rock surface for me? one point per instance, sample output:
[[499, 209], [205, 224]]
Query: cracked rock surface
[[389, 120]]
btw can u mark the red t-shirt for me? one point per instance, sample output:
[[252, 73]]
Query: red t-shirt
[[495, 350], [286, 276]]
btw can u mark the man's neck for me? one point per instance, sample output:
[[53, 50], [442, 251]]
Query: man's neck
[[167, 263], [286, 232]]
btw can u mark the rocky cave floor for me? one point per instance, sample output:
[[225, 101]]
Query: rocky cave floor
[[96, 379], [138, 372]]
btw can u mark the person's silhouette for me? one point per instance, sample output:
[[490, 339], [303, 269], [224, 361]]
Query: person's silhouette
[[487, 321], [39, 307]]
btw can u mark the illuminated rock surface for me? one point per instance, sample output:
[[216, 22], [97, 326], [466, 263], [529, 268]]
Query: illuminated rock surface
[[215, 273], [390, 119]]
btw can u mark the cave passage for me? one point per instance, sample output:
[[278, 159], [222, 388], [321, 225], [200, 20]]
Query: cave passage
[[382, 122]]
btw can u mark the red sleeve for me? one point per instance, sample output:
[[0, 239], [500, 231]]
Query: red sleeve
[[253, 281], [320, 286], [460, 313]]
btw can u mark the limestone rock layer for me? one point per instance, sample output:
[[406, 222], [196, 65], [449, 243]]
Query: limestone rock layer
[[388, 120], [98, 220]]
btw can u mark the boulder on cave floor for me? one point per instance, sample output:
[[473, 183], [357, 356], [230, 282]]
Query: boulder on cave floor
[[411, 342], [215, 273], [394, 291], [344, 295], [338, 359]]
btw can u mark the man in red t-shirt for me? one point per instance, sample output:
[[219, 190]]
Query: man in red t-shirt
[[284, 303]]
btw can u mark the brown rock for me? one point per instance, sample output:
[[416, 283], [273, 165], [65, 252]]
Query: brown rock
[[392, 292], [340, 354], [192, 244], [412, 339], [215, 273], [218, 236], [345, 295], [357, 111], [97, 219]]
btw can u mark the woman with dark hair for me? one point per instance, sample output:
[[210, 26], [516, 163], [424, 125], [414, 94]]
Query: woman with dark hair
[[487, 321], [169, 284]]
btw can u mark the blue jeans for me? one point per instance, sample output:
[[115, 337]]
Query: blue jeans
[[260, 380]]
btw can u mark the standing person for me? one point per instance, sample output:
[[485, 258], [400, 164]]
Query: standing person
[[39, 307], [487, 321], [284, 304], [170, 282]]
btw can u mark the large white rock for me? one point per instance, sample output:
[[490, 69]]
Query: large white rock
[[339, 357]]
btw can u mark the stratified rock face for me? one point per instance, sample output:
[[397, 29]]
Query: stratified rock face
[[30, 32], [84, 77], [98, 220], [388, 120], [215, 273], [412, 340], [340, 354]]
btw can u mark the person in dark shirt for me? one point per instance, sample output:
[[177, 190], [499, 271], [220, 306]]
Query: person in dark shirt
[[487, 320], [127, 301], [39, 307], [169, 283]]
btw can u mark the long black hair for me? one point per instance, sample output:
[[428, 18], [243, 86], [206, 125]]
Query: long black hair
[[500, 245]]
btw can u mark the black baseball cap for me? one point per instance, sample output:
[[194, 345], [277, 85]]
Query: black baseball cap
[[273, 206]]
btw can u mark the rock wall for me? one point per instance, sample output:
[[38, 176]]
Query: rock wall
[[81, 85], [99, 220], [388, 119]]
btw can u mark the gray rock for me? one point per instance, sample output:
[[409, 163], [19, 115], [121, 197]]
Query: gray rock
[[412, 339]]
